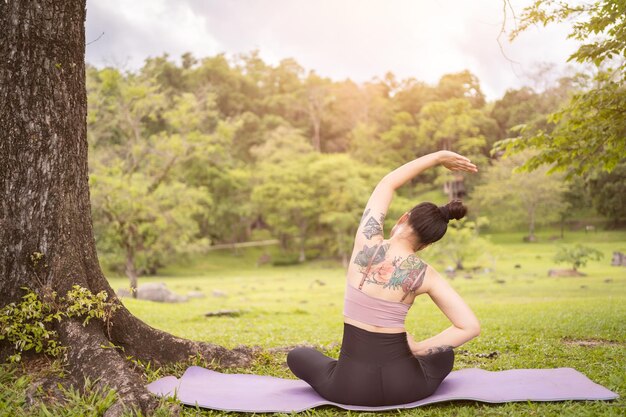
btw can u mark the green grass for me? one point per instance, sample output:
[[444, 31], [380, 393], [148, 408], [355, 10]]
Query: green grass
[[526, 316]]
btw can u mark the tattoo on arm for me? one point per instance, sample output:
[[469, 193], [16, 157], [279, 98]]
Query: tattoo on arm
[[438, 349], [372, 227], [367, 211]]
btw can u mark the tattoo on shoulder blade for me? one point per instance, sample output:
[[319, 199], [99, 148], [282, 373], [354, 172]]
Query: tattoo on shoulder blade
[[408, 274], [372, 258], [365, 255]]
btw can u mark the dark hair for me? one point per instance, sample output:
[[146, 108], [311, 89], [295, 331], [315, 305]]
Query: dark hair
[[430, 222]]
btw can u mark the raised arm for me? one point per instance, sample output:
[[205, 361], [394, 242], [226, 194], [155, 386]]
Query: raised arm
[[370, 229], [465, 325]]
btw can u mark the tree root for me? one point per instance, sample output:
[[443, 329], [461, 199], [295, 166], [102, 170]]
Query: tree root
[[89, 357], [93, 354], [146, 343]]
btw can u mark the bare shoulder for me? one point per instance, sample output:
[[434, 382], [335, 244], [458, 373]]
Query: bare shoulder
[[432, 279]]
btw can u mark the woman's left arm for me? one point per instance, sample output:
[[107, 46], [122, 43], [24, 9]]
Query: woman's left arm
[[465, 325]]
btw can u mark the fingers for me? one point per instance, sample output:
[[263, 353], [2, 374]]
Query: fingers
[[467, 166], [460, 163]]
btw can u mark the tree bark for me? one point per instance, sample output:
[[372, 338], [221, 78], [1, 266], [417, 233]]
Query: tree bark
[[302, 256], [531, 227], [314, 110], [45, 204], [130, 270]]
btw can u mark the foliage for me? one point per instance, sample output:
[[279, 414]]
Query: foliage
[[511, 198], [26, 325], [145, 226], [577, 256], [608, 192], [391, 148], [184, 155], [462, 242], [590, 130], [143, 213], [342, 187], [454, 125], [284, 193], [18, 398]]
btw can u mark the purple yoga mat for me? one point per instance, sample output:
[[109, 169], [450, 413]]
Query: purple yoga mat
[[259, 393]]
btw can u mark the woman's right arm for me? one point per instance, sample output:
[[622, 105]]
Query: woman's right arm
[[452, 161], [465, 325]]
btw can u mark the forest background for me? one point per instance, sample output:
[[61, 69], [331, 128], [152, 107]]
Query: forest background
[[214, 151]]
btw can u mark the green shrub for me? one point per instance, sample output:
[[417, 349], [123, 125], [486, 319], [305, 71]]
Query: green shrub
[[26, 325], [577, 255], [285, 259]]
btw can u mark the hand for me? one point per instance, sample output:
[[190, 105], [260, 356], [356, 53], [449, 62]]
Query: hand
[[455, 162]]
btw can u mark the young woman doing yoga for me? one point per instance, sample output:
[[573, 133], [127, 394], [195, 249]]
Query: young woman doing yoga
[[379, 362]]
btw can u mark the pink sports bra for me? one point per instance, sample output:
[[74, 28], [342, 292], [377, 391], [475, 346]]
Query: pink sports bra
[[372, 310], [375, 311]]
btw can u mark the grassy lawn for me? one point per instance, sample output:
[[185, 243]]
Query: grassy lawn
[[529, 320]]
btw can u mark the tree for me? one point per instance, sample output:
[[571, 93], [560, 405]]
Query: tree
[[46, 213], [316, 98], [509, 198], [590, 131], [387, 149], [342, 192], [142, 228], [462, 84], [287, 198], [143, 214], [514, 108], [454, 125], [577, 255], [608, 192], [462, 242]]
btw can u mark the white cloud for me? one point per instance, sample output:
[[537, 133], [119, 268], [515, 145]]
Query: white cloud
[[356, 39], [136, 30]]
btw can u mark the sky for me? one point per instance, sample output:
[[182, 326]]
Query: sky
[[339, 39]]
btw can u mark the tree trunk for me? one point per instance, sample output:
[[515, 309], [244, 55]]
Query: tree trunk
[[45, 204], [459, 264], [302, 256], [342, 251], [344, 260], [131, 271], [314, 108], [531, 230]]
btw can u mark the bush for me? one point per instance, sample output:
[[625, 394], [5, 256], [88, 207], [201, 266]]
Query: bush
[[285, 259], [577, 255], [26, 325]]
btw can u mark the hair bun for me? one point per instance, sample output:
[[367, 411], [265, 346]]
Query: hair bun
[[456, 210]]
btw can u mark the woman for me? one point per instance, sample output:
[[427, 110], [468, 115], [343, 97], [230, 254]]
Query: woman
[[379, 362]]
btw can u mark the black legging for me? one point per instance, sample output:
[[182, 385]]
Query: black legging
[[373, 369]]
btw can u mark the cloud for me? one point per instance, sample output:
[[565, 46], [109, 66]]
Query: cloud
[[136, 30], [356, 39]]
